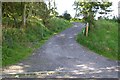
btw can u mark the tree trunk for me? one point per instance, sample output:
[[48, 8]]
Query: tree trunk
[[24, 16]]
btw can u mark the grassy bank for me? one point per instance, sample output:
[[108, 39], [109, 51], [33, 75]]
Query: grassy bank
[[103, 39], [19, 43]]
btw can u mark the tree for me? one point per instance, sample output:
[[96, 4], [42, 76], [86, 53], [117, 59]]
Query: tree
[[52, 8], [89, 9], [43, 12], [77, 8], [17, 14], [67, 16], [24, 15], [11, 12]]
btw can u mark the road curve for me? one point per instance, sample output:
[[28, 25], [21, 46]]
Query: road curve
[[62, 57]]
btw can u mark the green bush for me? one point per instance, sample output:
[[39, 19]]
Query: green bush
[[58, 24], [19, 43]]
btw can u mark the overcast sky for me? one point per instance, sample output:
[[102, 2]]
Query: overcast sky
[[63, 5]]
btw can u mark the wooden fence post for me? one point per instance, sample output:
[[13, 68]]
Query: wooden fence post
[[87, 29]]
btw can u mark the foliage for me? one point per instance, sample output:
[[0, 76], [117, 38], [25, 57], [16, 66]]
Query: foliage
[[116, 19], [55, 24], [67, 16], [52, 8], [11, 13], [26, 26], [89, 10], [103, 39], [76, 20], [17, 14], [19, 43], [40, 10]]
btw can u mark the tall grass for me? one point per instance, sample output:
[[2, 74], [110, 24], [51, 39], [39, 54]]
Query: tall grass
[[103, 39], [57, 24], [19, 43]]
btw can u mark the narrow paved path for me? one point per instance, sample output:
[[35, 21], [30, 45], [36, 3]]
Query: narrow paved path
[[63, 57]]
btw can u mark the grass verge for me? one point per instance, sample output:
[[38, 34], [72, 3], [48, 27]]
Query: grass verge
[[19, 43], [103, 39]]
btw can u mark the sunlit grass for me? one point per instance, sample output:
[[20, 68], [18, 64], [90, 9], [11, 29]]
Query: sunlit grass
[[103, 39]]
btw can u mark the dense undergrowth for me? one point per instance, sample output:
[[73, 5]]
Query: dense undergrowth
[[19, 43], [103, 39]]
